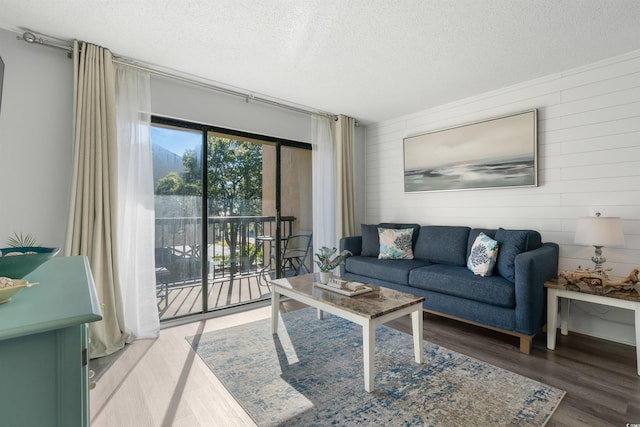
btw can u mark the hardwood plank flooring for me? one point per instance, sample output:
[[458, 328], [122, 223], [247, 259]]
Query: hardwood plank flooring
[[185, 299], [163, 383]]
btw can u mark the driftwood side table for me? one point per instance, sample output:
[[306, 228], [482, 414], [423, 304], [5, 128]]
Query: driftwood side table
[[623, 299]]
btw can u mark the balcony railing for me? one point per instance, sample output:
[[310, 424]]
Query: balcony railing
[[234, 247]]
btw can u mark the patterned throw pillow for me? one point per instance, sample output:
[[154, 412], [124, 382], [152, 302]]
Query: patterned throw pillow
[[484, 253], [395, 244]]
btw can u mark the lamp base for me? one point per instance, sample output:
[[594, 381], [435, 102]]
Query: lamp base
[[598, 259]]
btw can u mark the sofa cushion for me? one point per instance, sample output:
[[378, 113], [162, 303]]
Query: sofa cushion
[[484, 253], [370, 241], [460, 282], [513, 243], [442, 244], [395, 244], [390, 270]]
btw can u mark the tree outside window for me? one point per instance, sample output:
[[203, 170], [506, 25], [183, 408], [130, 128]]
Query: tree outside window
[[234, 189]]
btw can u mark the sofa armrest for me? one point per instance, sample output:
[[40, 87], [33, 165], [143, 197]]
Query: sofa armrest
[[533, 268], [352, 244]]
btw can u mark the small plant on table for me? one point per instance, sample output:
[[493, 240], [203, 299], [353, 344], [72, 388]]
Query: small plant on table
[[327, 260]]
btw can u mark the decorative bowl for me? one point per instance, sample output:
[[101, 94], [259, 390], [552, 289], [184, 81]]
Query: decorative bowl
[[7, 293], [18, 266]]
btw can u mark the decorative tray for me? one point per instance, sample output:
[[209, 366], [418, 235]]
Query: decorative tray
[[345, 287], [10, 287]]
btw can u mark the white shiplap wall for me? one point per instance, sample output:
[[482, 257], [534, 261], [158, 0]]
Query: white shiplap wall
[[588, 161]]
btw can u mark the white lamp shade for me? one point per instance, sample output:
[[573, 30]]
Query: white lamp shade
[[599, 231]]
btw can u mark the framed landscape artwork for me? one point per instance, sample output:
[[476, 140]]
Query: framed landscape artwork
[[499, 152]]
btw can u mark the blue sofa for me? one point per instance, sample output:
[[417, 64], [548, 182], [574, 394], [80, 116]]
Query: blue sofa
[[511, 300]]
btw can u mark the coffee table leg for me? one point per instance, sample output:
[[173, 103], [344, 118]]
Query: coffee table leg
[[369, 355], [417, 324], [320, 314], [275, 310]]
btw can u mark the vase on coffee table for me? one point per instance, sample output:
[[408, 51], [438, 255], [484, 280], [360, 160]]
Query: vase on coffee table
[[325, 276]]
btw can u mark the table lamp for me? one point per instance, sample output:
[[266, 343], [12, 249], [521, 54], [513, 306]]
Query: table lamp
[[599, 231]]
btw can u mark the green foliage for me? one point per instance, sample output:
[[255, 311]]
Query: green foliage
[[171, 184], [21, 241], [234, 177], [326, 261]]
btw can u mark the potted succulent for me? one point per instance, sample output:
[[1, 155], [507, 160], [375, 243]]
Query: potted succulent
[[327, 260]]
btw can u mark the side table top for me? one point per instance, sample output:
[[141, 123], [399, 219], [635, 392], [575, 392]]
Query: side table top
[[605, 291]]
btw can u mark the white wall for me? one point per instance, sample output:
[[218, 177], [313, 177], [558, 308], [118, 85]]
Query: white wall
[[35, 141], [589, 160], [175, 99]]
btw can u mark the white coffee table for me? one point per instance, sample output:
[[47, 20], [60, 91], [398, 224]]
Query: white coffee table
[[368, 310]]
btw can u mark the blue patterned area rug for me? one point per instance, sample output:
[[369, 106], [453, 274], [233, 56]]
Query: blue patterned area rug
[[311, 374]]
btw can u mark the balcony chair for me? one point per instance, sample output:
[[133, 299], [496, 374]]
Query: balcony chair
[[294, 257], [176, 266], [163, 276]]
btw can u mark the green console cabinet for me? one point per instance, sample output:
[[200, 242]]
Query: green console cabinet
[[43, 347]]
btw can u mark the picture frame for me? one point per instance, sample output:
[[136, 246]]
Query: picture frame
[[494, 153]]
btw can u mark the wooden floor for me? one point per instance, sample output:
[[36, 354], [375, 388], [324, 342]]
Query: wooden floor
[[183, 299], [164, 383]]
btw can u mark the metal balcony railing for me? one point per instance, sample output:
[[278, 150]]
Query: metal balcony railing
[[233, 247]]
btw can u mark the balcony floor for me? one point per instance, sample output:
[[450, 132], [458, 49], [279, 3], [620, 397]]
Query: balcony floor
[[184, 299]]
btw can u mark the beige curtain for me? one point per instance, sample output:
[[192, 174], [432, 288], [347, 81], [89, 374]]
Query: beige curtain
[[92, 227], [345, 194]]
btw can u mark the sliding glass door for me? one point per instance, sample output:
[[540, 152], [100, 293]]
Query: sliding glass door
[[240, 201], [226, 204], [296, 203], [177, 166]]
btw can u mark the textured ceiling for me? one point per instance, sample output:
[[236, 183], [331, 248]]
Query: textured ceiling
[[370, 59]]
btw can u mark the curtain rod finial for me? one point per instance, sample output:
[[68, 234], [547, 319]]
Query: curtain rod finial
[[29, 37]]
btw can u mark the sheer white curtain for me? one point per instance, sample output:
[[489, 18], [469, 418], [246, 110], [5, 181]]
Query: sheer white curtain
[[136, 231], [324, 184]]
